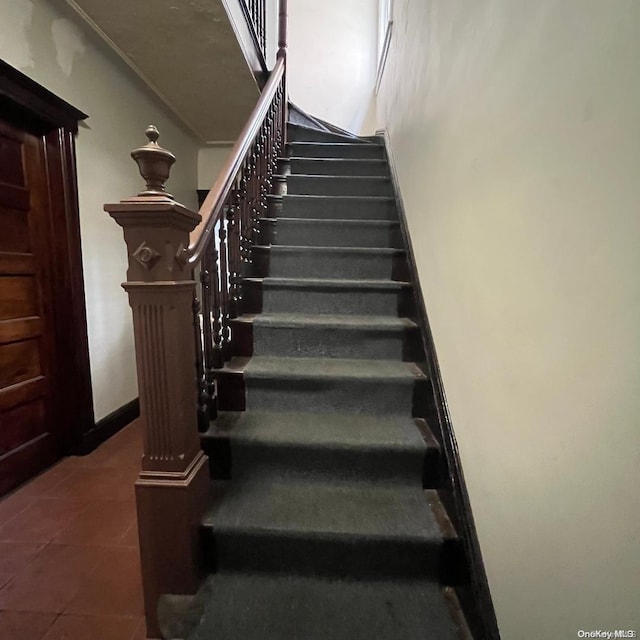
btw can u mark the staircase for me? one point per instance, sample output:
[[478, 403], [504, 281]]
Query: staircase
[[325, 521]]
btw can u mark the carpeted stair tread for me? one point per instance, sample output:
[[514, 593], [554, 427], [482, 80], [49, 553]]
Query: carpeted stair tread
[[326, 206], [335, 150], [339, 166], [339, 222], [360, 263], [327, 232], [258, 606], [321, 508], [336, 446], [334, 430], [338, 185], [387, 371], [329, 335], [302, 133], [329, 321], [292, 248], [332, 283]]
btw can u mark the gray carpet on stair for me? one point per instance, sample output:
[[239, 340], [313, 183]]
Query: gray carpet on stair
[[339, 207], [331, 336], [333, 296], [327, 385], [383, 449], [339, 166], [321, 528], [252, 606], [361, 263], [332, 233], [336, 150], [337, 185]]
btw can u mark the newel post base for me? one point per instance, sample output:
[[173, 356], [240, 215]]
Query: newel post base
[[170, 507], [172, 487]]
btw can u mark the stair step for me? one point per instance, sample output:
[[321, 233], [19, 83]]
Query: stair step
[[339, 207], [321, 296], [325, 528], [336, 150], [361, 263], [339, 166], [324, 232], [300, 133], [332, 385], [339, 185], [343, 447], [261, 606], [331, 336]]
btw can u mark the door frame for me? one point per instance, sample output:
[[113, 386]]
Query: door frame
[[26, 104]]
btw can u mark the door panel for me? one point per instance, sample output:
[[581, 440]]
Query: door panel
[[18, 296], [29, 437]]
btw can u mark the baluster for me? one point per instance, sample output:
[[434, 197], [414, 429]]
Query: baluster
[[210, 326], [203, 412], [217, 359], [234, 258], [252, 188], [225, 337], [243, 198], [262, 174]]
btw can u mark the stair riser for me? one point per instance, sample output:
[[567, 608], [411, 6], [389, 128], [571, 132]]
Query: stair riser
[[326, 264], [347, 151], [346, 557], [273, 299], [329, 395], [338, 186], [339, 167], [348, 465], [306, 342], [294, 134], [298, 207], [306, 233]]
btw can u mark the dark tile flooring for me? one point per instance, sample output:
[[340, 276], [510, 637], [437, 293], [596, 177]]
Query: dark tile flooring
[[69, 561]]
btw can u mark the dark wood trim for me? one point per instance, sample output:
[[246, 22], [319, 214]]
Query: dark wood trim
[[475, 596], [202, 194], [109, 426], [44, 108], [74, 392], [33, 108]]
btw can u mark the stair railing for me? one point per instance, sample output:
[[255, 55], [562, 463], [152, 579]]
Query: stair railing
[[181, 262], [255, 14], [221, 244]]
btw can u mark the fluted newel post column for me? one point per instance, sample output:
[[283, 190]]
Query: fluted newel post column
[[172, 486]]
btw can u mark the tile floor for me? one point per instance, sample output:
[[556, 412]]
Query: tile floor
[[69, 563]]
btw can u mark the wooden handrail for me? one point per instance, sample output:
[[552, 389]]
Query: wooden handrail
[[213, 204]]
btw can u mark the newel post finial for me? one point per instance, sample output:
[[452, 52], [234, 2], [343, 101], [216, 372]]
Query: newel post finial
[[154, 163]]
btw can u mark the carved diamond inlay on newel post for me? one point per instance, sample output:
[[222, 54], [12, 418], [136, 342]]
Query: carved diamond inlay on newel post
[[172, 486]]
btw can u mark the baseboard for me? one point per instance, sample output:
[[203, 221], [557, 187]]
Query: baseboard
[[108, 426], [474, 596]]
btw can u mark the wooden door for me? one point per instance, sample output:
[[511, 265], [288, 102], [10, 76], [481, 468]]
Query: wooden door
[[29, 438]]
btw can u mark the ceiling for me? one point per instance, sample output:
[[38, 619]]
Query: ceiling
[[187, 52]]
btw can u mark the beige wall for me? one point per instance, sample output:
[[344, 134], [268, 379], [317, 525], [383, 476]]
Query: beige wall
[[46, 43], [332, 59], [210, 162], [515, 126]]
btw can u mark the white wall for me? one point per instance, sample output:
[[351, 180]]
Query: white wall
[[50, 47], [332, 59], [515, 126], [210, 162]]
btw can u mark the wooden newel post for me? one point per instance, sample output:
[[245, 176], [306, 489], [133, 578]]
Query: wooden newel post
[[172, 486]]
